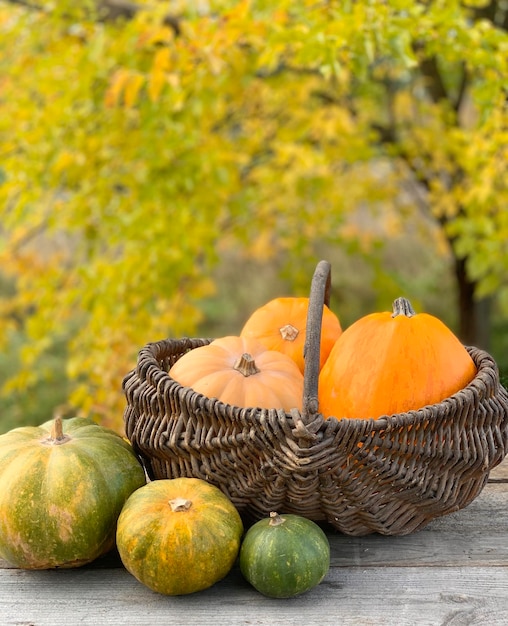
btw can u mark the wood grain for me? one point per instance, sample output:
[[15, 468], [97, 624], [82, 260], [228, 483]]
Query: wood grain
[[363, 596]]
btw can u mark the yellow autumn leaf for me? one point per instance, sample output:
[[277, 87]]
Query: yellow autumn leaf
[[156, 83], [162, 60], [158, 73], [64, 160], [155, 36], [116, 87], [132, 89]]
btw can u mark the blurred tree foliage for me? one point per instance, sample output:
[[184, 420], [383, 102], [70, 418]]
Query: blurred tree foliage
[[140, 143]]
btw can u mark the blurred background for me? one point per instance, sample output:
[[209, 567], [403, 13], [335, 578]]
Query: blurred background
[[168, 167]]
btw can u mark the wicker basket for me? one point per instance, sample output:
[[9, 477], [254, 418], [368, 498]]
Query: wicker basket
[[391, 476]]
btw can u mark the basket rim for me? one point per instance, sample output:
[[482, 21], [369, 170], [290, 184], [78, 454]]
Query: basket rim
[[150, 369]]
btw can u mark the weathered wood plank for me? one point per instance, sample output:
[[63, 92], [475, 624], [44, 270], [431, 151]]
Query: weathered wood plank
[[500, 473], [349, 596]]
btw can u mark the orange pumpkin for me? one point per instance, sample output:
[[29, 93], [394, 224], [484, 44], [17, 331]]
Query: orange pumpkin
[[388, 363], [281, 325], [242, 372]]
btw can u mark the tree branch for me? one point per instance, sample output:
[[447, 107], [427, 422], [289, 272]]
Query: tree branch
[[112, 10], [107, 11], [432, 79], [462, 89], [31, 6]]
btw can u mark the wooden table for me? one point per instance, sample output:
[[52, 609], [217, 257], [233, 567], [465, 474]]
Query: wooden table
[[453, 572]]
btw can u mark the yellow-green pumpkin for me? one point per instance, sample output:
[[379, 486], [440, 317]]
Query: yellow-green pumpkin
[[62, 487], [179, 535]]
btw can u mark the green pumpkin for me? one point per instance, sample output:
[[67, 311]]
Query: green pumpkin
[[285, 555], [62, 487]]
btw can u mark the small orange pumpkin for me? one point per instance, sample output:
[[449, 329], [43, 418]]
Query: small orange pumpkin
[[242, 372], [388, 363], [281, 325]]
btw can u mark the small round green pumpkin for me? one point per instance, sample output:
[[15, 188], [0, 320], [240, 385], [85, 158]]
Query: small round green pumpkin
[[62, 487], [284, 555], [179, 535]]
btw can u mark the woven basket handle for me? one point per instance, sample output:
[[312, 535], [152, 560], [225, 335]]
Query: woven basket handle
[[319, 296]]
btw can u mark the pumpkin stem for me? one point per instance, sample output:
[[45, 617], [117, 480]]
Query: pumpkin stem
[[180, 504], [289, 332], [276, 519], [57, 428], [246, 365], [56, 437], [402, 306]]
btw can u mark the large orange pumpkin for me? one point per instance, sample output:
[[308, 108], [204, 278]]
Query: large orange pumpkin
[[281, 325], [388, 363], [242, 372]]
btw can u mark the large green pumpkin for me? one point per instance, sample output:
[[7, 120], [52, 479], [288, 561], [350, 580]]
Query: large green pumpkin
[[62, 487], [179, 535], [284, 555]]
